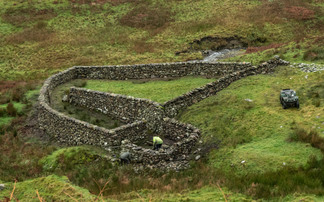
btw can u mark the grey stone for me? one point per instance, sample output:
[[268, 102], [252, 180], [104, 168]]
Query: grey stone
[[65, 98], [2, 186], [197, 157]]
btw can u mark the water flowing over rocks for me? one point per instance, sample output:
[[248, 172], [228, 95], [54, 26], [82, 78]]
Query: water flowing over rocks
[[214, 56]]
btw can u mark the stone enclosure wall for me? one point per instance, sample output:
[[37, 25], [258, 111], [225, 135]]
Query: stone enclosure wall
[[139, 114]]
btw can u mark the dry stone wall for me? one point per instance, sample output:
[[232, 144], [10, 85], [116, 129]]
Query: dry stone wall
[[163, 70], [125, 108], [184, 135], [174, 106], [140, 114]]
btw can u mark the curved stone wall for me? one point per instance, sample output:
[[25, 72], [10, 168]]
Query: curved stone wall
[[140, 114]]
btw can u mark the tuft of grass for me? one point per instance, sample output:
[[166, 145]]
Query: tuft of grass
[[11, 110]]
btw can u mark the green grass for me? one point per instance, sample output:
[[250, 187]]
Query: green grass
[[156, 90], [256, 132], [18, 105], [50, 188], [302, 52], [208, 193], [40, 38], [45, 36], [32, 93], [5, 120], [70, 156]]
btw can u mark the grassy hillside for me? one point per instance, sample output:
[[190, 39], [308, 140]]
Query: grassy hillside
[[264, 151], [257, 136], [39, 38]]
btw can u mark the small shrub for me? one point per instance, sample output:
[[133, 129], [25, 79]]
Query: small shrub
[[11, 110], [312, 137]]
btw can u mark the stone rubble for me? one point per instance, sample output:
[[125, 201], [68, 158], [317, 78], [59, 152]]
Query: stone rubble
[[307, 67]]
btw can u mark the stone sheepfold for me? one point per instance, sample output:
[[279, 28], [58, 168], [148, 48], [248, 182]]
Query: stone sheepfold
[[139, 114]]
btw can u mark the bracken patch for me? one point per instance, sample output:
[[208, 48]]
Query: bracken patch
[[147, 16]]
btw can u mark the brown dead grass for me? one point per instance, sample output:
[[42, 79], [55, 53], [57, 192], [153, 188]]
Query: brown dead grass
[[18, 17], [33, 34], [19, 160], [262, 48], [95, 2], [14, 90], [118, 2], [147, 16], [141, 47], [278, 11], [299, 13]]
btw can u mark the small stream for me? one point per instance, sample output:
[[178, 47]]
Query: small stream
[[214, 56]]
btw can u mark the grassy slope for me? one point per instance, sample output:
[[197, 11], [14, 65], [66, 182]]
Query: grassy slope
[[208, 193], [62, 34], [257, 131], [158, 91], [50, 188]]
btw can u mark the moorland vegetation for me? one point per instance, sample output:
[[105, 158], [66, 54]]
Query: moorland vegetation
[[253, 149]]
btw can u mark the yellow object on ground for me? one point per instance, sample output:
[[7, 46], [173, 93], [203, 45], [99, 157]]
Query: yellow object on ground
[[157, 140]]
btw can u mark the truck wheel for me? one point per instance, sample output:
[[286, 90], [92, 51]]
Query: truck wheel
[[297, 105], [284, 106]]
